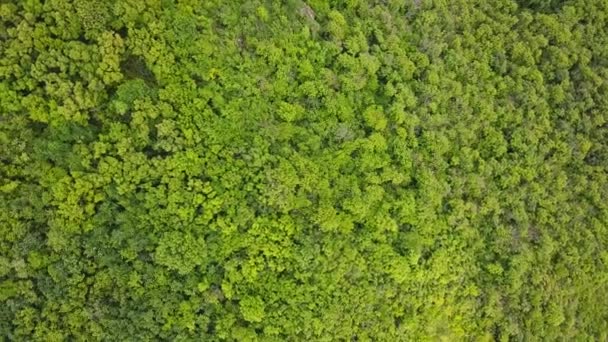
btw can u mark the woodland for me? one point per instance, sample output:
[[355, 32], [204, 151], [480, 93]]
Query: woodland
[[344, 170]]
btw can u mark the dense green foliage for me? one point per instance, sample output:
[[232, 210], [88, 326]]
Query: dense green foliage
[[298, 170]]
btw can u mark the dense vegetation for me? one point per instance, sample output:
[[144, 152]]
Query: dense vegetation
[[298, 170]]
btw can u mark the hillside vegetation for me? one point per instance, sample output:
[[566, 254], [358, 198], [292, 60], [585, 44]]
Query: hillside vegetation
[[256, 170]]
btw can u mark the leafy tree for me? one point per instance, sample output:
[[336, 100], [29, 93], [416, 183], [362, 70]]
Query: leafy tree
[[303, 170]]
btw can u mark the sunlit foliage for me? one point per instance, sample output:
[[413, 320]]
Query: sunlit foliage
[[192, 170]]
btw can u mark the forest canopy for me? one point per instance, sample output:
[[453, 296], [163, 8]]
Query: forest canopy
[[360, 170]]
